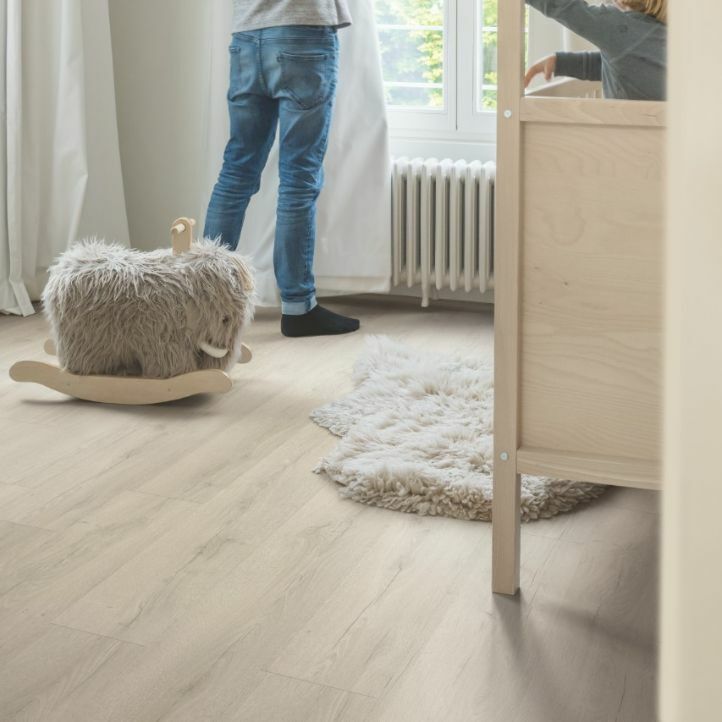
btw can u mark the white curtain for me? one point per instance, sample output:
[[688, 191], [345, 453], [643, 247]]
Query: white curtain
[[60, 173], [353, 249]]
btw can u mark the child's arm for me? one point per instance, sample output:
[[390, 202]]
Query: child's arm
[[598, 24], [584, 66]]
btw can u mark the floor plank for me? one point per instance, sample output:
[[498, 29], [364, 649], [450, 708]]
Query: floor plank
[[183, 562], [47, 671]]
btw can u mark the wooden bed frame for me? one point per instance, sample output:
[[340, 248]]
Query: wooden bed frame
[[579, 290]]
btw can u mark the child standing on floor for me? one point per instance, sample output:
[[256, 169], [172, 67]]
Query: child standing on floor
[[632, 39], [284, 68]]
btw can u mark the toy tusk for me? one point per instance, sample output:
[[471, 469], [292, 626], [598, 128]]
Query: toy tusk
[[212, 350]]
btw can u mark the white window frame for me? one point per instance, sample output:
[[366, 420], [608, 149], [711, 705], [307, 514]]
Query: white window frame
[[460, 120]]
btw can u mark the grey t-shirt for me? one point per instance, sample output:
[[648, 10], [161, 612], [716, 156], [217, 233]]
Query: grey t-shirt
[[257, 14], [632, 62]]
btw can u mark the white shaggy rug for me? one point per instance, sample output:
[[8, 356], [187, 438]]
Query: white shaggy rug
[[417, 437]]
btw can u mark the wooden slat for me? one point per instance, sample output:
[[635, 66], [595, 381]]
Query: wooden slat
[[615, 471], [591, 111], [568, 88], [506, 505]]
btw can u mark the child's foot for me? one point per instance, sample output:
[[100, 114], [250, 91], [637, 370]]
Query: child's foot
[[317, 322]]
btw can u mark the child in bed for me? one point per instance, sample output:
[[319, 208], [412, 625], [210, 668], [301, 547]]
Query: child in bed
[[632, 39]]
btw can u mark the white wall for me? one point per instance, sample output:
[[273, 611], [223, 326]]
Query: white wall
[[160, 52], [692, 577], [403, 144]]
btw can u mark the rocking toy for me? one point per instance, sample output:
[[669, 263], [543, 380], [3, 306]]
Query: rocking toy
[[132, 327]]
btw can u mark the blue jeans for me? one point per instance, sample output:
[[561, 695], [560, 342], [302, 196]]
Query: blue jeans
[[283, 76]]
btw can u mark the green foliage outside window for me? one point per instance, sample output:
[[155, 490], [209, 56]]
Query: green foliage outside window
[[413, 59]]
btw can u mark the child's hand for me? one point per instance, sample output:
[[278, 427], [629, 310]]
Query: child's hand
[[546, 66]]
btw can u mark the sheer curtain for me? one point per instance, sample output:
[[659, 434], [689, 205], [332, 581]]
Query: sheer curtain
[[60, 173], [353, 250]]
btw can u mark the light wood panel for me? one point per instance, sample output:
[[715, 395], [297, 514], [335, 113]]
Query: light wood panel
[[589, 111], [592, 290], [505, 508], [567, 88], [182, 562], [617, 471]]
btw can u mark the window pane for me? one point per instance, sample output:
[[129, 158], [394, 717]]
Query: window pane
[[490, 13], [410, 12], [411, 35], [489, 69], [419, 98]]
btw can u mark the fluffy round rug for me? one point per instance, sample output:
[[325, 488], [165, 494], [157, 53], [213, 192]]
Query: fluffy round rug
[[417, 437]]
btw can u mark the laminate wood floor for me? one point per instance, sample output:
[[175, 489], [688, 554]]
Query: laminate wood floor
[[183, 562]]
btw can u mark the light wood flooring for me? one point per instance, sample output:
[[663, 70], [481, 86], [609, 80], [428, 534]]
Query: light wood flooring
[[182, 562]]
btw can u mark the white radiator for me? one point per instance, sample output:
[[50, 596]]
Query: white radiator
[[442, 224]]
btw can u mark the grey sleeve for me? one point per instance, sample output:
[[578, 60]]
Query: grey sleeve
[[584, 66], [597, 24]]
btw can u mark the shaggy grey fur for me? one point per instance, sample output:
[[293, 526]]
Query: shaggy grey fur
[[122, 312]]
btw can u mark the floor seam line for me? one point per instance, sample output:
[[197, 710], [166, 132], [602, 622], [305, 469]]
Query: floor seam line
[[97, 634], [164, 496], [318, 684], [30, 526]]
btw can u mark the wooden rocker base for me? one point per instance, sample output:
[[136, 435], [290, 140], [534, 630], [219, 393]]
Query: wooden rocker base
[[130, 391], [119, 389]]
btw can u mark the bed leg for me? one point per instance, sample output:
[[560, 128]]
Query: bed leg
[[506, 529]]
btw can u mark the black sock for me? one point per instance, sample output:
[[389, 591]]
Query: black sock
[[317, 322]]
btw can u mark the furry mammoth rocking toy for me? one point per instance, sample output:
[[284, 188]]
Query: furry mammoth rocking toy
[[142, 328]]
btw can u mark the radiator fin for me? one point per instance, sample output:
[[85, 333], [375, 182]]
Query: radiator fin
[[442, 224]]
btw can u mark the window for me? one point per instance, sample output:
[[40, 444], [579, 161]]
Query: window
[[439, 62], [412, 38], [418, 59], [486, 98]]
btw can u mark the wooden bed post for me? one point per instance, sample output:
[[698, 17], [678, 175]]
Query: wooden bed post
[[507, 483]]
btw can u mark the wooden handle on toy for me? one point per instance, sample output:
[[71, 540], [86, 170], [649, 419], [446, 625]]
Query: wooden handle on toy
[[181, 233]]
